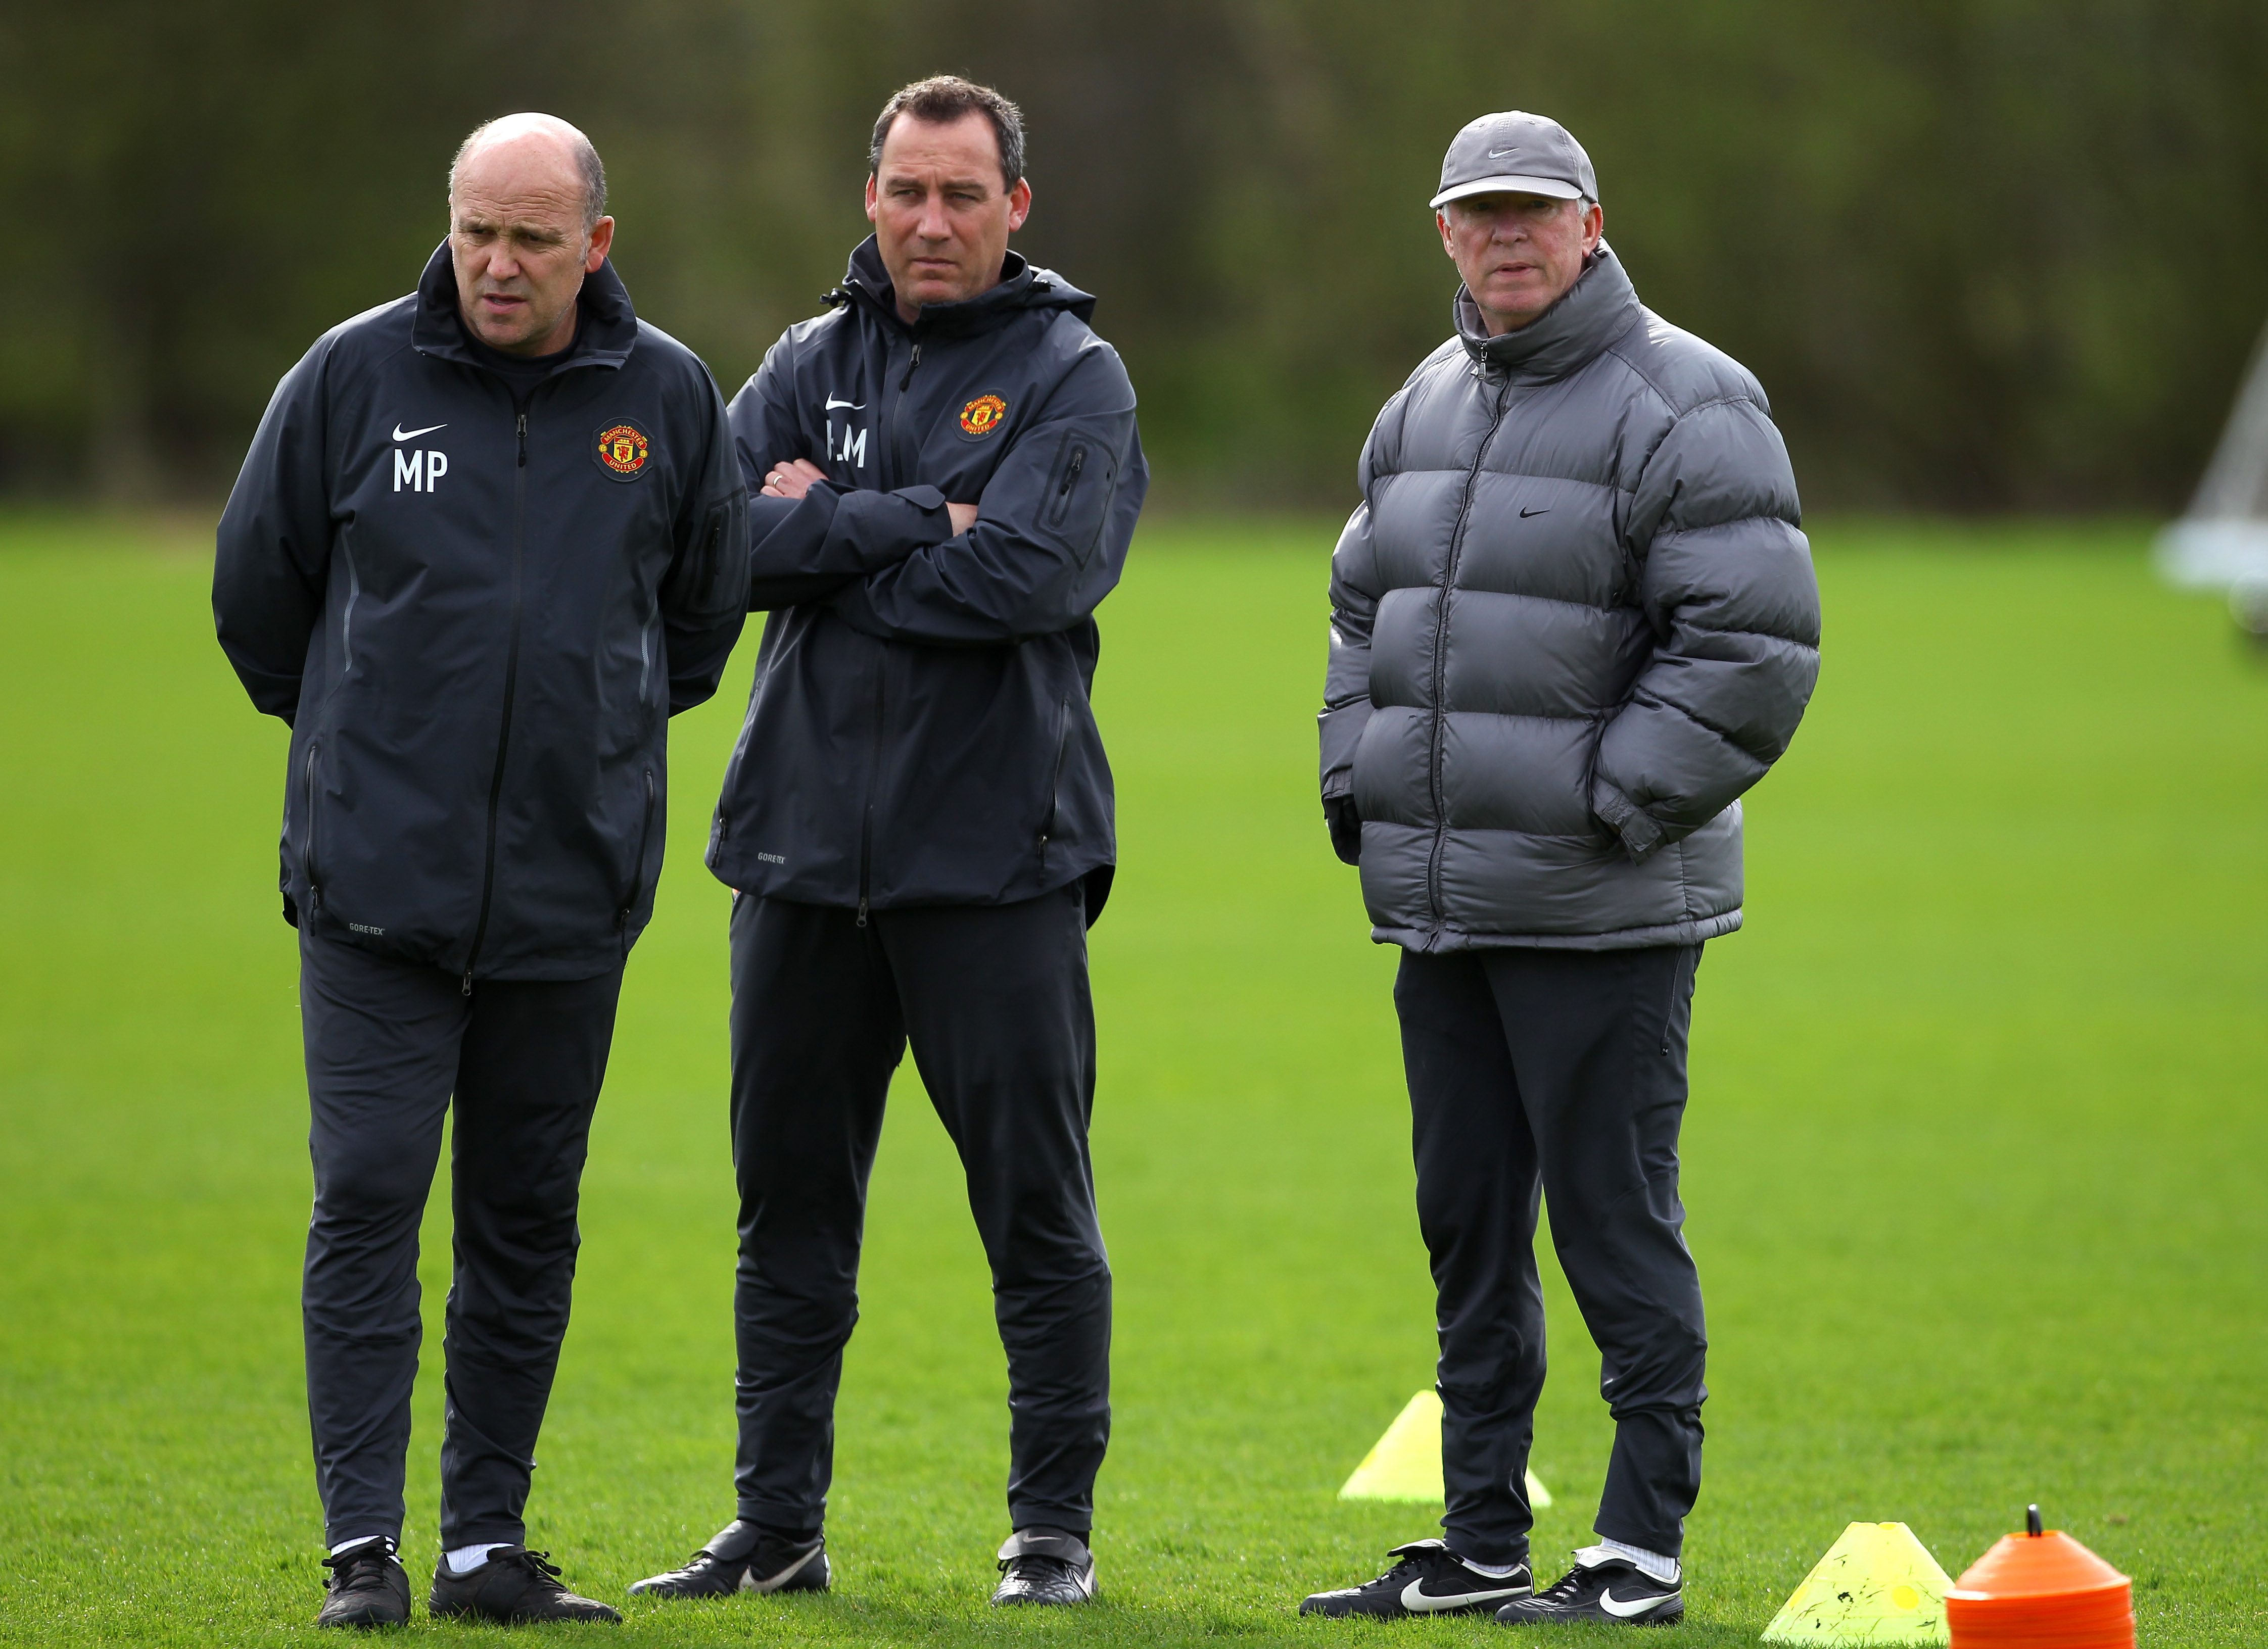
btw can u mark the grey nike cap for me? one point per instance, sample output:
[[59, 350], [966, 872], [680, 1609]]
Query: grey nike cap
[[1516, 153]]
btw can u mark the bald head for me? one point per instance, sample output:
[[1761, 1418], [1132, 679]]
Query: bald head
[[527, 222], [533, 140]]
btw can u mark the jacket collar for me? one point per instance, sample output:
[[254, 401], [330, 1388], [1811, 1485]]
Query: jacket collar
[[1023, 285], [1589, 316], [604, 336]]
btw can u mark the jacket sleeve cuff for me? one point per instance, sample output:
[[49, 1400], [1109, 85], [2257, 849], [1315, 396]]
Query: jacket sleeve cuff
[[1640, 835], [883, 528]]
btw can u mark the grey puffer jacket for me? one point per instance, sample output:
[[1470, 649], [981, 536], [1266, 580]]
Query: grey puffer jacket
[[1573, 619]]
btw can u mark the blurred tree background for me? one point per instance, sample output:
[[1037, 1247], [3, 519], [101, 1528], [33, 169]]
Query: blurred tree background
[[1985, 255]]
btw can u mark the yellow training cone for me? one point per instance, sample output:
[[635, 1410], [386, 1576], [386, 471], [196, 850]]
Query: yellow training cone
[[1405, 1464], [1877, 1585]]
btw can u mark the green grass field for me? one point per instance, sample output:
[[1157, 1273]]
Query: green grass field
[[1973, 1156]]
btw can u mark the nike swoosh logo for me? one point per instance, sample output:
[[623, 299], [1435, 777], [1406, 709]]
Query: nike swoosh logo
[[1524, 514], [1416, 1599], [854, 406], [749, 1583], [1499, 154], [1614, 1605], [400, 434]]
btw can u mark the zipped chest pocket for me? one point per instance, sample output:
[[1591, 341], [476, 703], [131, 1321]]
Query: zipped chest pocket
[[1078, 493], [1068, 475]]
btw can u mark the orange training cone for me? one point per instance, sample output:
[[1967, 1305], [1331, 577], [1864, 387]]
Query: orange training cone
[[2041, 1590]]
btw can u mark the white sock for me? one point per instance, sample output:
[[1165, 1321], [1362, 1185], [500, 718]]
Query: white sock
[[364, 1539], [465, 1559], [1652, 1564], [1493, 1571]]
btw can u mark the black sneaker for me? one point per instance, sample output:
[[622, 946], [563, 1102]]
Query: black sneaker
[[514, 1586], [367, 1587], [1045, 1565], [1429, 1579], [1602, 1587], [742, 1558]]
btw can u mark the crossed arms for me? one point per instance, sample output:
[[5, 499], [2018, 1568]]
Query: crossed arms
[[1031, 558]]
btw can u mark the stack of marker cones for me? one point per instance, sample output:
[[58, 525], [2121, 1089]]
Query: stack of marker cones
[[2040, 1589]]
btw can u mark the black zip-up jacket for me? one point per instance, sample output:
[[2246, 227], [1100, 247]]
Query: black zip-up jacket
[[477, 610], [919, 732]]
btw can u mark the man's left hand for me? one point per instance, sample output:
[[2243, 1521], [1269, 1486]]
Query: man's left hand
[[791, 479]]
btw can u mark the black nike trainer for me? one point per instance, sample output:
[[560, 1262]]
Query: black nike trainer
[[741, 1558], [515, 1586], [1045, 1567], [1602, 1586], [1428, 1579], [367, 1587]]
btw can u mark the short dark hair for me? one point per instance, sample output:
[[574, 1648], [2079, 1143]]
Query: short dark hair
[[942, 100]]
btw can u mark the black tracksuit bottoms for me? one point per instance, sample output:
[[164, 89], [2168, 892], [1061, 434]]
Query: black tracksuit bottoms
[[388, 1046], [994, 1000], [1563, 1073]]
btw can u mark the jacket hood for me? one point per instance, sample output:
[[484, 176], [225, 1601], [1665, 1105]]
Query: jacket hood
[[1023, 285], [1589, 316], [604, 336]]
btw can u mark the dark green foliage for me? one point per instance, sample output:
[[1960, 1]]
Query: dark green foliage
[[1984, 253]]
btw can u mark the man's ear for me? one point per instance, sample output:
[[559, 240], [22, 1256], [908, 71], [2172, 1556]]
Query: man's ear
[[1019, 204], [870, 197], [602, 242], [1441, 223]]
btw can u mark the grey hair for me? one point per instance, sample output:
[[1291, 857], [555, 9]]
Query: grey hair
[[592, 170]]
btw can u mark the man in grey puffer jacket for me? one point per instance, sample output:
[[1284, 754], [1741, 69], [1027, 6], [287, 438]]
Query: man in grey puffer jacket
[[1573, 620]]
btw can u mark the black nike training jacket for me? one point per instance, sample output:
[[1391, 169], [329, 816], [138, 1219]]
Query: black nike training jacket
[[477, 610], [919, 732]]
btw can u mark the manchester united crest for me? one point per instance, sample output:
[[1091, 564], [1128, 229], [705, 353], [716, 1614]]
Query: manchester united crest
[[983, 415], [623, 449]]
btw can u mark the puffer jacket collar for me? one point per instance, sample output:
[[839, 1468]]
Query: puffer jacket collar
[[1022, 286], [1589, 316], [605, 335]]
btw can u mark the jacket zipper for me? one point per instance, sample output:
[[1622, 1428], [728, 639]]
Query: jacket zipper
[[510, 683], [307, 846], [1442, 658], [887, 430], [888, 466], [874, 782], [1055, 788], [1070, 480], [637, 865]]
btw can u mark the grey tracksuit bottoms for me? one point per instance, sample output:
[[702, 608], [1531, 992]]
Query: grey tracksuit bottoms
[[1564, 1073], [993, 999], [390, 1046]]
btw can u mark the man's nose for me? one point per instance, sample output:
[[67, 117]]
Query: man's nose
[[934, 224]]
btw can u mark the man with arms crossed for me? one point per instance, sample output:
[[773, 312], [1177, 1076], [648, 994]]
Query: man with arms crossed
[[488, 539], [919, 824], [1573, 620]]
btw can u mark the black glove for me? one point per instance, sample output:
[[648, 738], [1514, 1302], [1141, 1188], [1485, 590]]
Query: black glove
[[1345, 827]]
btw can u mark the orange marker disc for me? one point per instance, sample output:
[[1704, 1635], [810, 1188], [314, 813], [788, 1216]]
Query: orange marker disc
[[2041, 1590]]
